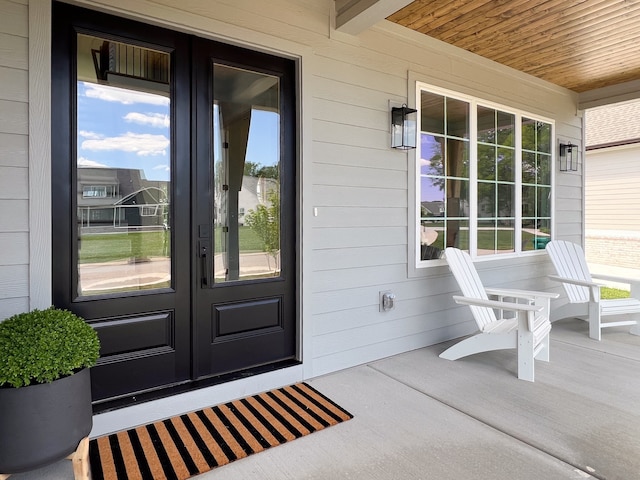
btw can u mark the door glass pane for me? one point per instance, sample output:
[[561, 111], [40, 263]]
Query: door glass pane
[[123, 173], [246, 174]]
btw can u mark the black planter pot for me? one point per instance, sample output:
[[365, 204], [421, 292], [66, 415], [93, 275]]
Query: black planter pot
[[42, 424]]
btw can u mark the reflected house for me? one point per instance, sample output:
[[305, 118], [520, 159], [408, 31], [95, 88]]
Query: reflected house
[[254, 192], [433, 209], [117, 198]]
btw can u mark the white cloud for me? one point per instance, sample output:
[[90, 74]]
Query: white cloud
[[144, 144], [164, 168], [85, 162], [87, 134], [122, 95], [157, 120]]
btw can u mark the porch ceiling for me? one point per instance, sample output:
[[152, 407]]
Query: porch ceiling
[[578, 44]]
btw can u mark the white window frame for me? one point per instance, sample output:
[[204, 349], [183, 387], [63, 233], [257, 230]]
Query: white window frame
[[415, 225]]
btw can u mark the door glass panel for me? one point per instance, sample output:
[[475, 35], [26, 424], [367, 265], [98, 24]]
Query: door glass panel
[[246, 174], [123, 172]]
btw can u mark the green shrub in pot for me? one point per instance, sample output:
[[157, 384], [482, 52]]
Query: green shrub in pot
[[43, 345], [45, 387]]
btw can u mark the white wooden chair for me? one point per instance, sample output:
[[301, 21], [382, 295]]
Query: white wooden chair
[[528, 331], [584, 294]]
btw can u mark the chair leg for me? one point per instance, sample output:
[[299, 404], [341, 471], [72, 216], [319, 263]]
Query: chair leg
[[481, 342], [526, 364], [595, 330], [543, 354]]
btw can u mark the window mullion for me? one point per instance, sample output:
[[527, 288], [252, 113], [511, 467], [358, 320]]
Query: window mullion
[[518, 185], [473, 179]]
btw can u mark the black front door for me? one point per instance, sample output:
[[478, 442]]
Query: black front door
[[173, 202], [244, 209]]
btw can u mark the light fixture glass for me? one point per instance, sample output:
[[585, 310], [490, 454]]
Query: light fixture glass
[[403, 128], [568, 157]]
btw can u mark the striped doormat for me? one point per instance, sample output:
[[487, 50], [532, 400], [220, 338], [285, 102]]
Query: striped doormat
[[196, 442]]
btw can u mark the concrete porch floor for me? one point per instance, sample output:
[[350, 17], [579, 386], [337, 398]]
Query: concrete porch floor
[[417, 416]]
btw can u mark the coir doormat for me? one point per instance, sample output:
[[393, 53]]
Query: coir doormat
[[196, 442]]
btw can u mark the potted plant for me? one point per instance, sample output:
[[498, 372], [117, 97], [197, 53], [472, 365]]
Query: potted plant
[[45, 388]]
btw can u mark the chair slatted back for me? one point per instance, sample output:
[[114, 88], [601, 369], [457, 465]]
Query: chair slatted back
[[569, 261], [469, 282]]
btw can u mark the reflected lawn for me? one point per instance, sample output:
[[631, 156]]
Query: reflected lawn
[[107, 247]]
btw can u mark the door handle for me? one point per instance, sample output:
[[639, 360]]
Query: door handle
[[204, 254]]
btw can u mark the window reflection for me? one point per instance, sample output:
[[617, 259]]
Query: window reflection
[[123, 176], [246, 169]]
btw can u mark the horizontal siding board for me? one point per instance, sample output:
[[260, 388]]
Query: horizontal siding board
[[358, 257], [14, 117], [345, 175], [12, 306], [14, 51], [350, 135], [346, 72], [336, 217], [14, 18], [435, 309], [353, 94], [358, 237], [15, 84], [352, 196], [278, 18], [14, 183], [14, 150], [349, 156], [347, 114], [14, 216], [14, 281], [14, 248], [357, 277]]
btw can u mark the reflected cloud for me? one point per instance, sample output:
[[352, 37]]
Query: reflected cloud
[[144, 144], [164, 168], [87, 134], [157, 120], [85, 162], [122, 95]]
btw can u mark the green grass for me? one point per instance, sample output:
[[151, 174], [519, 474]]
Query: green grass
[[608, 293], [107, 247]]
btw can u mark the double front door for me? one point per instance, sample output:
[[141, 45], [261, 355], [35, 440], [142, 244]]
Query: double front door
[[173, 167]]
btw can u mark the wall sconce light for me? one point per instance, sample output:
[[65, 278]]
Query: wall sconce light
[[568, 157], [403, 128]]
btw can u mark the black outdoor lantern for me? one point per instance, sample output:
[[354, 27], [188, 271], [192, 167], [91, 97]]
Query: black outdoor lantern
[[568, 157], [403, 128]]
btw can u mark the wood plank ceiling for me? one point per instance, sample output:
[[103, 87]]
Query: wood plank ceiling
[[578, 44]]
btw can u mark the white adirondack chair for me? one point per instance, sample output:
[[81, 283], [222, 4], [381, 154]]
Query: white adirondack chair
[[584, 294], [528, 331]]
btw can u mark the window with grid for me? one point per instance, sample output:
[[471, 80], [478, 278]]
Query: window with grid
[[483, 177]]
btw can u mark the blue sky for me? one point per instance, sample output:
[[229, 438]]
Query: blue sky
[[127, 129]]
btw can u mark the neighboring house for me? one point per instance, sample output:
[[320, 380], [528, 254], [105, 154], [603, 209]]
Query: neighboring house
[[112, 198], [351, 206], [612, 176]]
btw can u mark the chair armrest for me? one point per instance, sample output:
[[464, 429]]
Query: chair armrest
[[530, 294], [513, 307], [633, 282], [574, 281], [528, 309]]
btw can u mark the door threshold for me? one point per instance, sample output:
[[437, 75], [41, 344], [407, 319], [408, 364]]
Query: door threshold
[[130, 400]]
